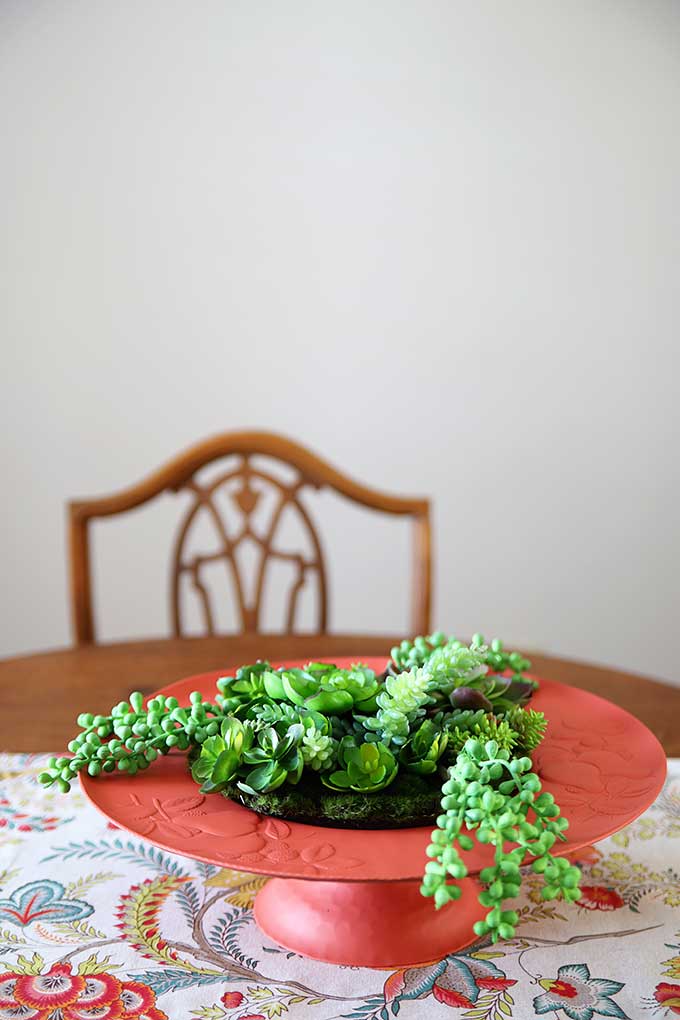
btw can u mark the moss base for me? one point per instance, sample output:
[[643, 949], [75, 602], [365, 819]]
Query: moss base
[[407, 802]]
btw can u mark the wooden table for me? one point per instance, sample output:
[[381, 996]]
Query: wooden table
[[53, 687]]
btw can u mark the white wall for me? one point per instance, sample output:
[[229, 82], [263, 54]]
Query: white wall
[[437, 241]]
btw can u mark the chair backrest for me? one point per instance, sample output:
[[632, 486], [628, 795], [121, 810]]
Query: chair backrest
[[180, 473]]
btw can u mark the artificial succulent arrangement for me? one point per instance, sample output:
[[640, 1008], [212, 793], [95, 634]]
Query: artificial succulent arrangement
[[444, 735]]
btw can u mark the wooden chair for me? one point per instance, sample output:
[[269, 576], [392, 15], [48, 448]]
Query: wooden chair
[[179, 474]]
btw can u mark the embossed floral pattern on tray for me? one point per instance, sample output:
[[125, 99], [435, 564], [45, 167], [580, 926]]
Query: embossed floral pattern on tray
[[596, 773], [245, 838]]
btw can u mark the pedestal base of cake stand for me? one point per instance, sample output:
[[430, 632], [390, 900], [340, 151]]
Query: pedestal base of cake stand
[[366, 924]]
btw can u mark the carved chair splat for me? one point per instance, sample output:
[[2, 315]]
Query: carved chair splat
[[179, 476]]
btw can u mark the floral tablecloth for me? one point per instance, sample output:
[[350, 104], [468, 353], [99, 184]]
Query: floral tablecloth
[[98, 925]]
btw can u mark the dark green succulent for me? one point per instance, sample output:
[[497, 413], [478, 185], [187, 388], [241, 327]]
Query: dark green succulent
[[470, 699], [273, 713], [424, 749], [366, 767], [496, 694], [504, 692], [241, 689], [276, 759]]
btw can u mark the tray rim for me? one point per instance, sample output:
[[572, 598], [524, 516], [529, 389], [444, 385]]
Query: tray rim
[[285, 839]]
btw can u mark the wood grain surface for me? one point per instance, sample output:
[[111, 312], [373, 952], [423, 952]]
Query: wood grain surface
[[51, 688]]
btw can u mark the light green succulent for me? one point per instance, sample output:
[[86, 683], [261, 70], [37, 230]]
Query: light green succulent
[[455, 665], [407, 692], [317, 749], [400, 705], [419, 652]]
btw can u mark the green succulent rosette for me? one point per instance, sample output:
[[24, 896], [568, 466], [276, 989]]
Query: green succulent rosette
[[321, 687], [275, 759], [221, 756], [362, 767], [422, 752]]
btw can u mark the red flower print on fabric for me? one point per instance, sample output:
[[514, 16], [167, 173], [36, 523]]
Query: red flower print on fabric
[[58, 988], [600, 897], [231, 1000], [668, 995], [59, 993]]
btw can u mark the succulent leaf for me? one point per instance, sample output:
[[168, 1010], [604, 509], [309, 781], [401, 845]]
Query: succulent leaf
[[368, 767]]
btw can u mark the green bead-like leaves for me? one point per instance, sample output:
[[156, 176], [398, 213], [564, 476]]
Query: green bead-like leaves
[[133, 736], [413, 654], [489, 792], [450, 659]]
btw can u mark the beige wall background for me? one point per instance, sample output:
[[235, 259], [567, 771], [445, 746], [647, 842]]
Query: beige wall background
[[436, 241]]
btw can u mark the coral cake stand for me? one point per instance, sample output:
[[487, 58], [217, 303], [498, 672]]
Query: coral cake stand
[[351, 896]]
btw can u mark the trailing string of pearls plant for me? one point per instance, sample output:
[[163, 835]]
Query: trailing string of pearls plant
[[447, 722]]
